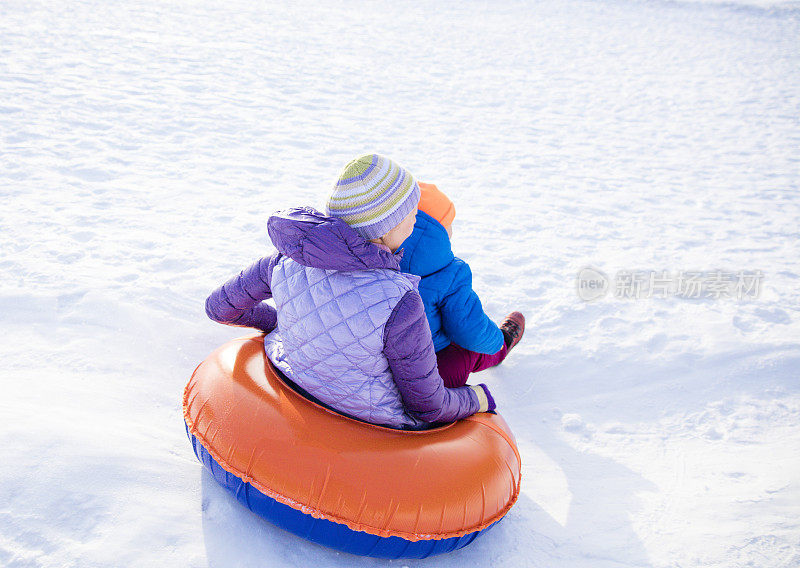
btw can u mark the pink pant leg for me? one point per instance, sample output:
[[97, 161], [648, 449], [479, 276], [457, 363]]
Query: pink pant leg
[[456, 363]]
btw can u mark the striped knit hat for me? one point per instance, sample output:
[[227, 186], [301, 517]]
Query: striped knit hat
[[372, 195]]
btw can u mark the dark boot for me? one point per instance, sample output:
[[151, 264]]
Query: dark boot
[[513, 327]]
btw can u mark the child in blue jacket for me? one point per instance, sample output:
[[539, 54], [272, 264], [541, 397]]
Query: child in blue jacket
[[465, 339]]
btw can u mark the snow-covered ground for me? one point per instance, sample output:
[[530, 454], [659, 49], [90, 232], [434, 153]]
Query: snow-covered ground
[[143, 145]]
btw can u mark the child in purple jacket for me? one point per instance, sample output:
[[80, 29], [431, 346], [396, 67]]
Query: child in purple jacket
[[348, 327]]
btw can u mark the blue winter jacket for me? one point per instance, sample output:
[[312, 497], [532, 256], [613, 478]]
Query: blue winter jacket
[[453, 309]]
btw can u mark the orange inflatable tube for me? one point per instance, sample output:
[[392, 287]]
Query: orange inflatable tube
[[254, 431]]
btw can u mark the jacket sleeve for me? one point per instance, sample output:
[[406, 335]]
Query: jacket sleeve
[[409, 348], [463, 319], [240, 300]]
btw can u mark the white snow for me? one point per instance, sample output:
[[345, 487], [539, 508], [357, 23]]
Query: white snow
[[144, 144]]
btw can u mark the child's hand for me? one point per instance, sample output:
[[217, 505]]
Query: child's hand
[[485, 398]]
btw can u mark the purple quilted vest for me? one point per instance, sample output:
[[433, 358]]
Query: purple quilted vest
[[332, 310]]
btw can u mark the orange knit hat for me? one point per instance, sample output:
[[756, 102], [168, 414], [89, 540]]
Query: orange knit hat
[[436, 204]]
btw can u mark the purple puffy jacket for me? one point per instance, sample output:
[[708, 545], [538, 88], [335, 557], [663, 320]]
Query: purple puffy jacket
[[313, 240]]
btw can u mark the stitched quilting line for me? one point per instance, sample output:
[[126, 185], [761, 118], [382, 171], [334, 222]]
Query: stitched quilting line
[[364, 308], [307, 286]]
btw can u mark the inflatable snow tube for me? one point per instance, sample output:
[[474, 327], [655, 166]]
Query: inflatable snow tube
[[340, 482]]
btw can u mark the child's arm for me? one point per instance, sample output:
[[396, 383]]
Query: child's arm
[[240, 300], [463, 319], [409, 349]]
